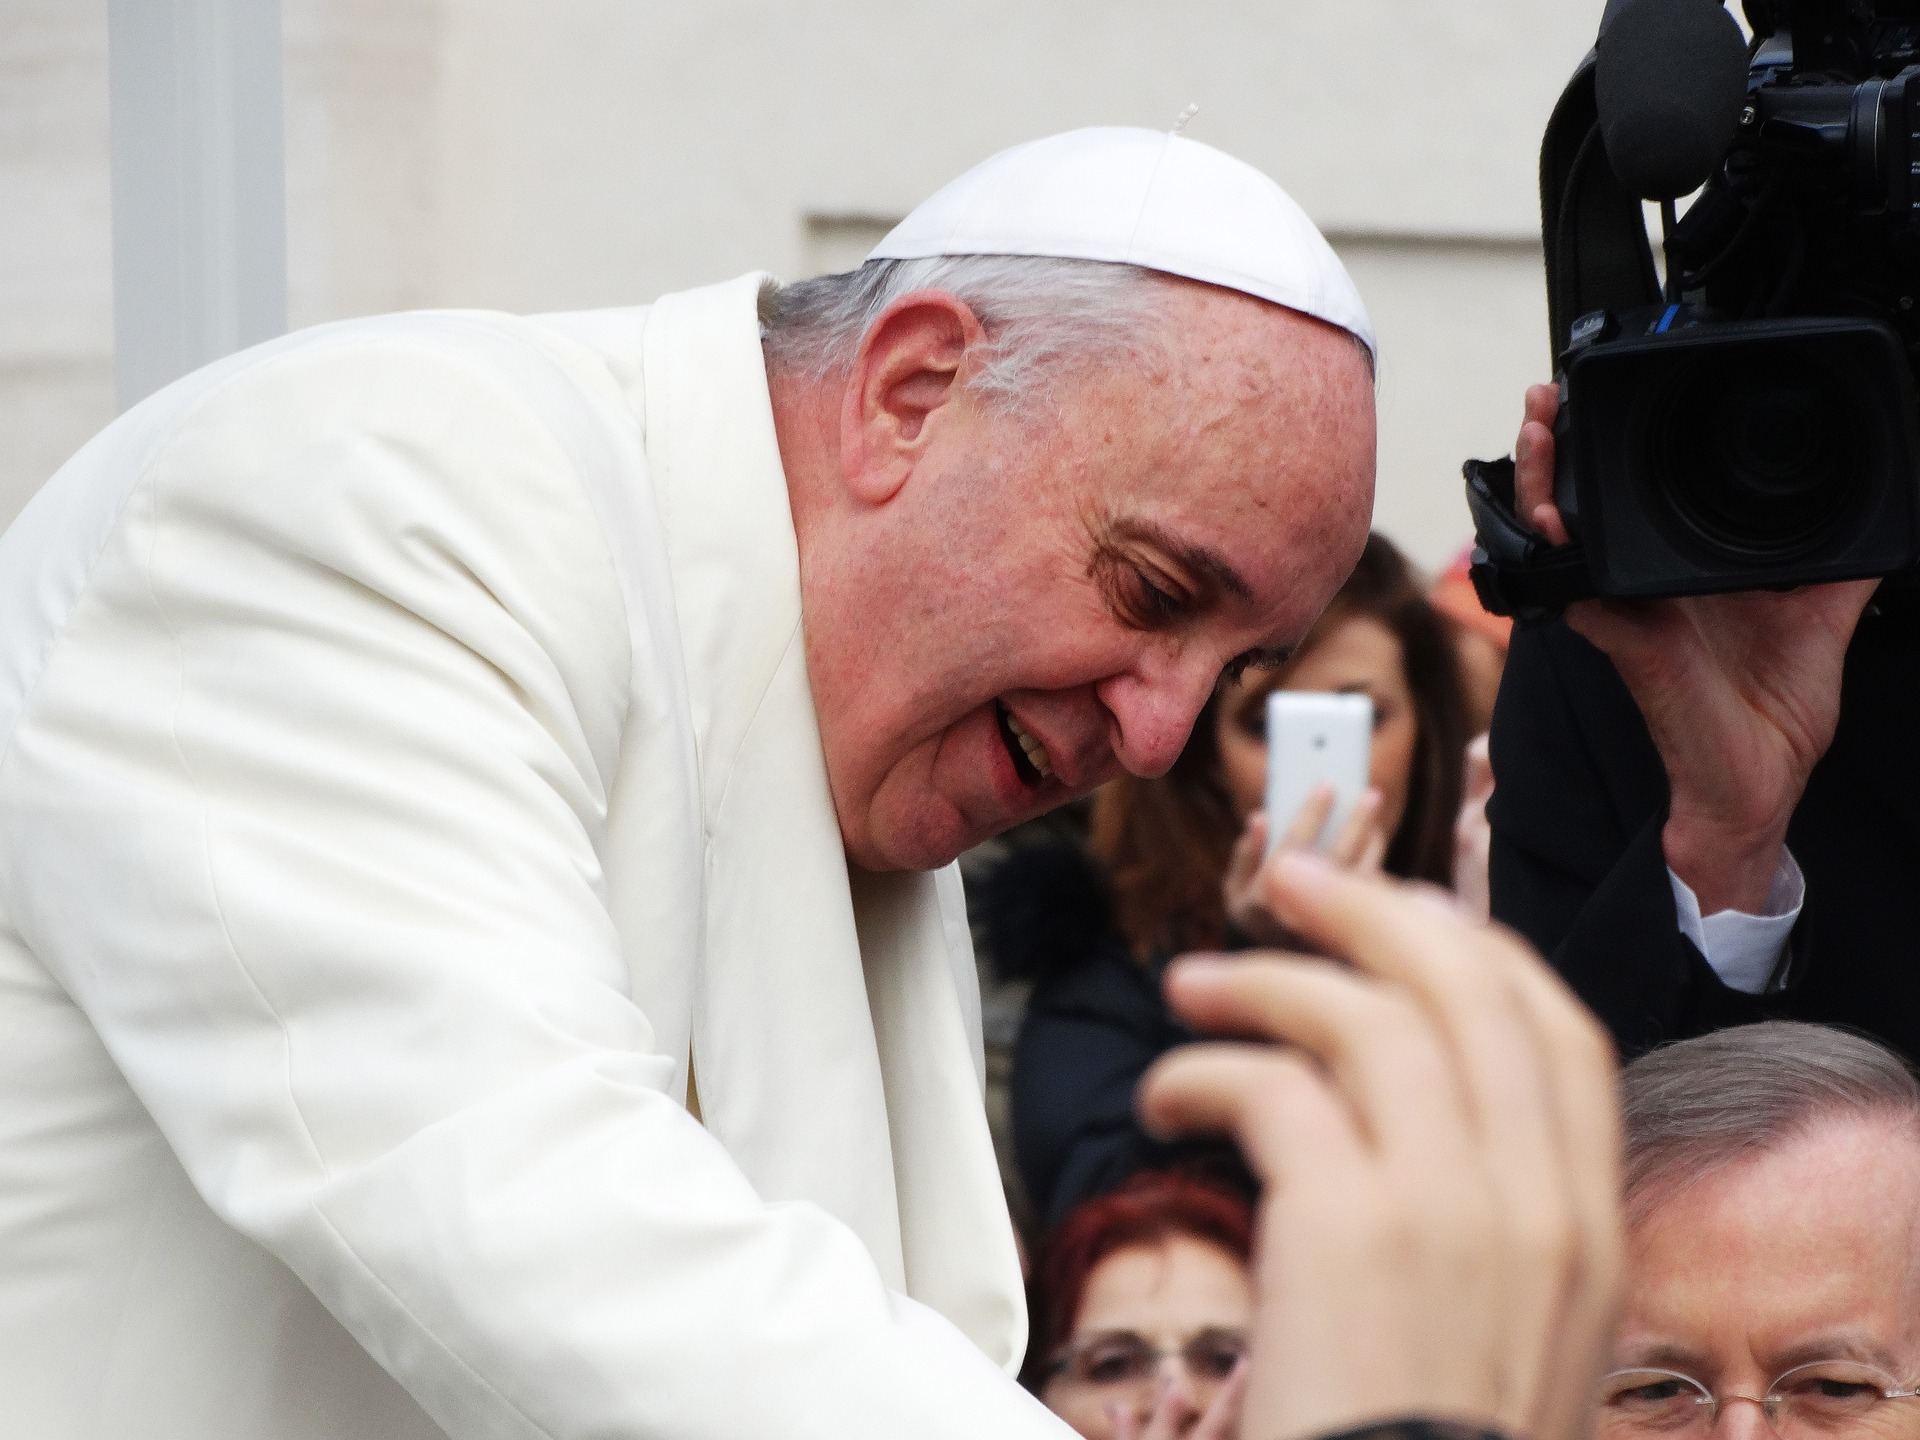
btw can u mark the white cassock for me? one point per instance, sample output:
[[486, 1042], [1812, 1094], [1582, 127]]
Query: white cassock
[[409, 764]]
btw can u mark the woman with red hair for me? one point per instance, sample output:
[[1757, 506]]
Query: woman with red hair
[[1140, 1305]]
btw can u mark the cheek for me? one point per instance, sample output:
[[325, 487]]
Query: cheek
[[1392, 756], [1243, 769]]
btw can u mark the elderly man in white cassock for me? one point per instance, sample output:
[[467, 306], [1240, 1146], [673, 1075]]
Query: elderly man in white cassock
[[480, 952]]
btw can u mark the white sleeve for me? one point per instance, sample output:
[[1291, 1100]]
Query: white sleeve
[[306, 812], [1744, 950]]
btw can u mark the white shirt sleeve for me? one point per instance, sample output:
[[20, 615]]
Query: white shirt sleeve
[[1744, 950]]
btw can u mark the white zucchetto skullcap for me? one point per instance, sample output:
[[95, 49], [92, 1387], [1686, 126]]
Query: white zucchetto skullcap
[[1138, 197]]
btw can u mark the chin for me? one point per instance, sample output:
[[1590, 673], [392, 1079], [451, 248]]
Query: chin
[[926, 838]]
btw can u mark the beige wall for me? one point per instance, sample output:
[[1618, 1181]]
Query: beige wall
[[573, 153], [56, 258]]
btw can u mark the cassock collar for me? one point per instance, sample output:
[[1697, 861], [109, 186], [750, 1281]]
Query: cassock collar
[[836, 1021], [714, 460]]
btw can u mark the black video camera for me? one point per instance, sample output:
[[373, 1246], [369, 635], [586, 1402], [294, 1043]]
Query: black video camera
[[1750, 424]]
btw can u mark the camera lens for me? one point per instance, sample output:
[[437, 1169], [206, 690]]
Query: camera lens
[[1757, 462]]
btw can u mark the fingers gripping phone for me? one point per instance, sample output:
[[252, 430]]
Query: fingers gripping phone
[[1315, 738]]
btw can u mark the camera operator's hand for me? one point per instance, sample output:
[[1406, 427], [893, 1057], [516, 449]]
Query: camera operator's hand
[[1438, 1136], [1360, 845], [1740, 692]]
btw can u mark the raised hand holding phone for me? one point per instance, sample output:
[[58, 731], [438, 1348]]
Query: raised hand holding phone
[[1319, 748], [1436, 1125], [1316, 739]]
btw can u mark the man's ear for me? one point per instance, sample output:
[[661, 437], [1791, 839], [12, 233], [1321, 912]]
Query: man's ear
[[907, 372]]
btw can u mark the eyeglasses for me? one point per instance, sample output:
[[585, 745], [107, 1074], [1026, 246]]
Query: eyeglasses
[[1120, 1358], [1827, 1397]]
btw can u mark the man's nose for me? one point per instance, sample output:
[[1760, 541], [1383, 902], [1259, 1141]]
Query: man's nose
[[1153, 708], [1743, 1419]]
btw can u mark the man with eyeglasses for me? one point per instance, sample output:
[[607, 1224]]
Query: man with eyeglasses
[[1773, 1209]]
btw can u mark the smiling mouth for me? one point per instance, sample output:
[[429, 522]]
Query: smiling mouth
[[1029, 756]]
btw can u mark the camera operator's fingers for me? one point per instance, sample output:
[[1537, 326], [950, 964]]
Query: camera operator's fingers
[[1303, 832], [1533, 465], [1384, 1057], [1356, 842], [1741, 697]]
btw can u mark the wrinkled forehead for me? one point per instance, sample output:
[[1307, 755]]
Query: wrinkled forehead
[[1255, 348], [1267, 402], [1830, 1214], [1248, 433]]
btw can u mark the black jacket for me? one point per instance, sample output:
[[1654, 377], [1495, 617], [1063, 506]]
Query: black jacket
[[1577, 865], [1095, 1022]]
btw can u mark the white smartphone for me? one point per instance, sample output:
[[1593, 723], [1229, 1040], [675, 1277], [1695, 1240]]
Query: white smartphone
[[1315, 738]]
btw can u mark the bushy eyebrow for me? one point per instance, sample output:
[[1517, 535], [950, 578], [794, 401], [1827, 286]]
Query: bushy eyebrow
[[1197, 558], [1841, 1345], [1834, 1345], [1667, 1355]]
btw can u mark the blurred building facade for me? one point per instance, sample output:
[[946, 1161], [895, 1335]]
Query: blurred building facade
[[578, 153]]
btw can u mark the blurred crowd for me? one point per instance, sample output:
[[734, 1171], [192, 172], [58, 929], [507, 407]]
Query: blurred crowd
[[1771, 1170], [1081, 914], [1772, 1191]]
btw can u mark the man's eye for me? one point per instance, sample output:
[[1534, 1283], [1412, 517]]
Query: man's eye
[[1657, 1391], [1154, 604]]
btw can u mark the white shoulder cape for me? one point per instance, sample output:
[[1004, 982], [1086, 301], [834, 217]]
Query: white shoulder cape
[[408, 763]]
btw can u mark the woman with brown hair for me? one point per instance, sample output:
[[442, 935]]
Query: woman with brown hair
[[1171, 870]]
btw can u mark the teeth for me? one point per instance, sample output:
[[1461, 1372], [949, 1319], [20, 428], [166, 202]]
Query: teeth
[[1036, 752]]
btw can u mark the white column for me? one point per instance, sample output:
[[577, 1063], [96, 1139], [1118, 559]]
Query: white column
[[199, 191]]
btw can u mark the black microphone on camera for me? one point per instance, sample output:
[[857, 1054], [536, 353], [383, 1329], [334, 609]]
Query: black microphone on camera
[[1754, 428], [1670, 81]]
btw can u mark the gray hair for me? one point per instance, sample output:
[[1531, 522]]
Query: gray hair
[[1697, 1106], [1042, 315]]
